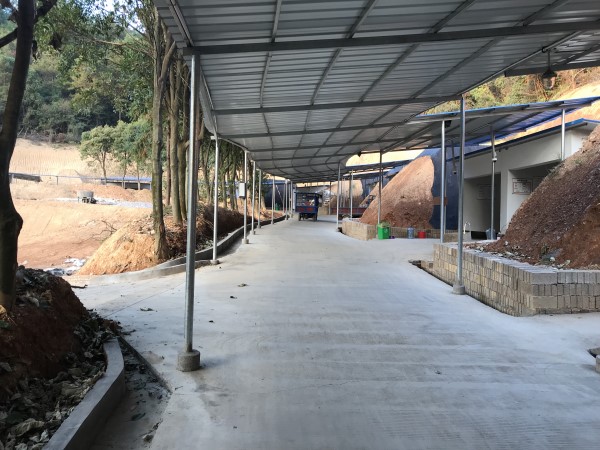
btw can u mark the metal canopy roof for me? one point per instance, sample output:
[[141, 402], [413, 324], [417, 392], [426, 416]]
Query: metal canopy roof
[[304, 84], [365, 171], [424, 131]]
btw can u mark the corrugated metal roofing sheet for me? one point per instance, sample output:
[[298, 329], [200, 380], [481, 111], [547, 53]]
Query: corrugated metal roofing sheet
[[424, 131], [385, 60]]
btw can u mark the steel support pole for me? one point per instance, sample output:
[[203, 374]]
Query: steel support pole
[[562, 136], [260, 186], [493, 186], [443, 186], [337, 209], [459, 287], [216, 203], [189, 359], [273, 203], [292, 202], [245, 241], [329, 203], [253, 191], [351, 199], [379, 193], [285, 200]]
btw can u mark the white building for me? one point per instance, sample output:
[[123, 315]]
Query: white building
[[521, 165]]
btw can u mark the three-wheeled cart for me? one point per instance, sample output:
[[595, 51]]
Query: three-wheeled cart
[[307, 205]]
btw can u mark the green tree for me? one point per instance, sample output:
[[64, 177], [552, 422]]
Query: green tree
[[131, 142], [97, 145]]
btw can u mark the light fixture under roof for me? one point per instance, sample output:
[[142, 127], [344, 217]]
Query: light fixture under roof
[[549, 76]]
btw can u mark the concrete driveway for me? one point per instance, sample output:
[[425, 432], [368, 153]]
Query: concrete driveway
[[335, 343]]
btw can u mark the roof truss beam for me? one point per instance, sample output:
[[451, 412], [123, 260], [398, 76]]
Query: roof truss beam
[[542, 69], [341, 105], [317, 44]]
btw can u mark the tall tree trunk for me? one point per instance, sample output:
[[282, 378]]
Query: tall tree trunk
[[209, 179], [233, 197], [181, 147], [175, 91], [224, 189], [164, 48], [10, 220], [168, 165], [104, 168], [199, 136]]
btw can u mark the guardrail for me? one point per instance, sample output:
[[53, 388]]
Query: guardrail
[[127, 183]]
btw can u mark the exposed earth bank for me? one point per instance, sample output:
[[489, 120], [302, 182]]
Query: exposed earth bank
[[560, 222], [407, 200], [132, 247]]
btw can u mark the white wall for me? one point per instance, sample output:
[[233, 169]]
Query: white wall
[[477, 210], [536, 155], [513, 200]]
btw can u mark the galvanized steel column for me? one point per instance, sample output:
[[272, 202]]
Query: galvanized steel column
[[216, 203], [562, 136], [443, 186], [337, 209], [245, 241], [459, 287], [329, 203], [291, 205], [351, 181], [286, 200], [253, 190], [379, 193], [273, 202], [259, 196], [492, 188], [189, 359]]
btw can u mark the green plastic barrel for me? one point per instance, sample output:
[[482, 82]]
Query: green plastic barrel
[[383, 230]]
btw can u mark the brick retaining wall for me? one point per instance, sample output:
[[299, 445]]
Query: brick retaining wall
[[517, 288], [364, 232], [359, 230]]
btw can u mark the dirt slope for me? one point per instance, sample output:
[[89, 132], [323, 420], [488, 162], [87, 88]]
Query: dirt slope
[[561, 219], [132, 247], [406, 200], [37, 335]]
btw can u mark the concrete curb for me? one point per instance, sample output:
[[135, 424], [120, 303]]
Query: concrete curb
[[80, 429], [203, 258]]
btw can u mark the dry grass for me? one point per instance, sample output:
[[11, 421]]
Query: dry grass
[[44, 158]]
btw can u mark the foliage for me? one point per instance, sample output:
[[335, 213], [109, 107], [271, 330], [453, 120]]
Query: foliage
[[131, 145], [522, 89], [90, 69], [97, 144]]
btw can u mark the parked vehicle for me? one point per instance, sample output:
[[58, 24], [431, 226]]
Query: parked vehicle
[[307, 205]]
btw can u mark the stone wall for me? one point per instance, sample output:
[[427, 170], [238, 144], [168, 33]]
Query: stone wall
[[517, 288], [363, 231], [359, 230]]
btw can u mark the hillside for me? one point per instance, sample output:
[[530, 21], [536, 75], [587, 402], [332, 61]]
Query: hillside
[[39, 157], [407, 200], [560, 222]]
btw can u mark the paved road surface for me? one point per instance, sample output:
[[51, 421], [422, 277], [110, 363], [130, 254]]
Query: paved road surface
[[342, 344]]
